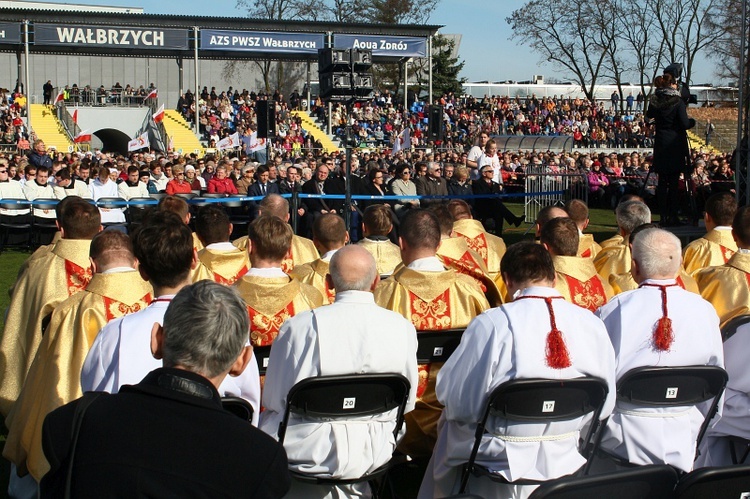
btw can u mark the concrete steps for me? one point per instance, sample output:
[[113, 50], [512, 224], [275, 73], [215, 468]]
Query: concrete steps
[[310, 125], [182, 135], [48, 128]]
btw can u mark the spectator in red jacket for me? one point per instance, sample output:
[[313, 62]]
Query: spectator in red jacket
[[220, 183], [178, 184]]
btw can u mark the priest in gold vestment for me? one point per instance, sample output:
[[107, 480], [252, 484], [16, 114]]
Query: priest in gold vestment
[[178, 206], [576, 277], [615, 258], [376, 225], [490, 247], [432, 298], [49, 280], [54, 379], [302, 249], [625, 281], [329, 236], [271, 295], [219, 260], [455, 253], [727, 286], [579, 213], [717, 246]]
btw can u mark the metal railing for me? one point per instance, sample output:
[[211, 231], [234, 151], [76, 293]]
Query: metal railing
[[544, 188]]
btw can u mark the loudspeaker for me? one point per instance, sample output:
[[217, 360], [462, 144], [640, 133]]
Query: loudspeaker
[[266, 113], [435, 123]]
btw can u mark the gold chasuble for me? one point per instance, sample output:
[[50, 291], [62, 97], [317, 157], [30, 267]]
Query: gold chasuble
[[431, 301], [197, 244], [302, 251], [272, 300], [314, 274], [625, 282], [49, 280], [489, 246], [223, 267], [55, 375], [386, 254], [39, 252], [587, 247], [613, 259], [579, 283], [612, 241], [727, 287], [454, 253], [715, 248]]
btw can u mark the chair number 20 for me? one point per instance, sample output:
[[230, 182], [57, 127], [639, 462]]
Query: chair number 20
[[350, 402]]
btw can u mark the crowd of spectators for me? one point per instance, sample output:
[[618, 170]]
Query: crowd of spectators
[[91, 95]]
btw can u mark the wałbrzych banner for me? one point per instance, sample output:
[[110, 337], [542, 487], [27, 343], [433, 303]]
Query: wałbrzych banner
[[110, 36]]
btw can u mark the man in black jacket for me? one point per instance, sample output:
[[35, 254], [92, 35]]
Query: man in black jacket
[[168, 436]]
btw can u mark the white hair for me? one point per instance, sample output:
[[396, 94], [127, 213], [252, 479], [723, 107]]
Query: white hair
[[658, 254]]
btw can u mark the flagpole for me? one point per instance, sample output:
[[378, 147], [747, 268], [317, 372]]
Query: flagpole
[[26, 71]]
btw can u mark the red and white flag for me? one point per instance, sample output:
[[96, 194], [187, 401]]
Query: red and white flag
[[84, 136], [152, 94], [60, 97], [256, 144], [229, 142], [140, 142], [75, 116], [159, 115]]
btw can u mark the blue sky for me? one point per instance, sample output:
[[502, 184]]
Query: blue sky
[[485, 46]]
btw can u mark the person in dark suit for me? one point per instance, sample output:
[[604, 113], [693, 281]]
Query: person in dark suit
[[168, 436], [262, 185], [290, 185], [671, 149], [492, 209], [317, 185]]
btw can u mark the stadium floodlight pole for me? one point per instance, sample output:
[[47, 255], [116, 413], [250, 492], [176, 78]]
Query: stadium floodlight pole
[[741, 109], [309, 82], [197, 92], [26, 77], [429, 62]]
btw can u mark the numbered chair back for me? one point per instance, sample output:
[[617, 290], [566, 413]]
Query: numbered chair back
[[674, 387], [347, 397], [437, 346], [538, 401], [262, 354]]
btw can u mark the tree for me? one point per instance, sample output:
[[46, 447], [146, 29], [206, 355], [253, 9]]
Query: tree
[[560, 32], [445, 69]]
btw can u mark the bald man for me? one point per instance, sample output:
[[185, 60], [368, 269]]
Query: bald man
[[352, 335], [642, 336]]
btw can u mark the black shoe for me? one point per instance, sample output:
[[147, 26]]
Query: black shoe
[[519, 220]]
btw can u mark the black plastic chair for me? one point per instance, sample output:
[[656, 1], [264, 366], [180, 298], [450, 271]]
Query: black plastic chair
[[186, 195], [537, 401], [730, 482], [40, 225], [437, 346], [654, 481], [137, 209], [342, 398], [262, 354], [671, 387], [239, 407], [112, 203], [157, 195], [15, 224], [730, 328]]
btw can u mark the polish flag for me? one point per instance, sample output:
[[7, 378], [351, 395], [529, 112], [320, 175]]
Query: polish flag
[[75, 116], [84, 136], [159, 115], [152, 94], [60, 97]]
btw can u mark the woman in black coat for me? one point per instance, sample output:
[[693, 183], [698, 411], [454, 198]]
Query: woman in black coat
[[671, 150]]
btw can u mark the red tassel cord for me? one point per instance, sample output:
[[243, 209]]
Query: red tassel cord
[[556, 352], [663, 335]]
